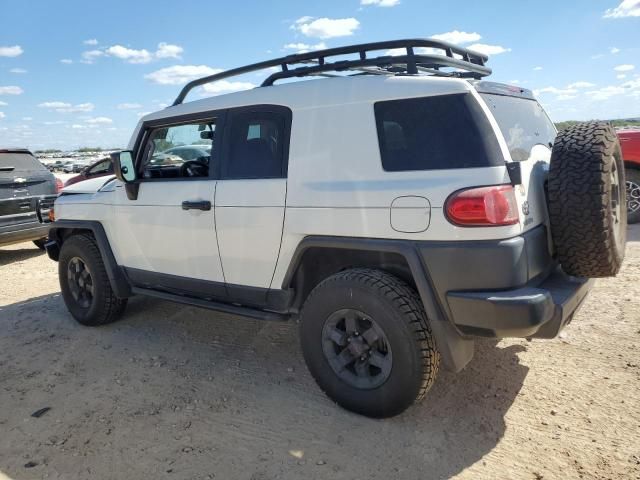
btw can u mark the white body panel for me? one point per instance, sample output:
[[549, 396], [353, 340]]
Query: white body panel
[[336, 186], [249, 217]]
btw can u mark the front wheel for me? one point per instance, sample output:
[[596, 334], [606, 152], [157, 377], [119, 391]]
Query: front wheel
[[84, 283], [366, 341]]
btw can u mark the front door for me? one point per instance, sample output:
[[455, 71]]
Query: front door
[[166, 237]]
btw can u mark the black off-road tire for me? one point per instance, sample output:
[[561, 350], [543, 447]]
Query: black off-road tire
[[104, 307], [400, 315], [587, 206], [633, 195]]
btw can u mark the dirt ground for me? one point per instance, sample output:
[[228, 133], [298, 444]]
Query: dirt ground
[[173, 392]]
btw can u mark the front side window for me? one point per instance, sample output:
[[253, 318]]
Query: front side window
[[102, 167], [434, 133], [258, 144], [179, 151]]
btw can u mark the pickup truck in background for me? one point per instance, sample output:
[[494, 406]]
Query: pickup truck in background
[[630, 144]]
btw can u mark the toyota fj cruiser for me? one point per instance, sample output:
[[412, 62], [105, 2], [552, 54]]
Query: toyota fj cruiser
[[397, 209]]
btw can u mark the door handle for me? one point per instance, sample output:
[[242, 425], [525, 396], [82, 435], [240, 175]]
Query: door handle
[[199, 205]]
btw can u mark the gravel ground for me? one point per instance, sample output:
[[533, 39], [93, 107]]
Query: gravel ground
[[180, 393]]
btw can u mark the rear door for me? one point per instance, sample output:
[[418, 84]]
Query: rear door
[[23, 180], [251, 194], [529, 135]]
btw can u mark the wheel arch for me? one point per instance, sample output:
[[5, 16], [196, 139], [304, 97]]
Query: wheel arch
[[318, 257], [61, 230]]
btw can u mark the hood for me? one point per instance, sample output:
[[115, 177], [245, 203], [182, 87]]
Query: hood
[[88, 186]]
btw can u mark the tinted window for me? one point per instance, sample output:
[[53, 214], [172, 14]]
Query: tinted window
[[19, 162], [179, 151], [448, 131], [105, 166], [523, 123], [258, 144]]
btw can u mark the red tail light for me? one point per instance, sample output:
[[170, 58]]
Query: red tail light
[[483, 206], [59, 185]]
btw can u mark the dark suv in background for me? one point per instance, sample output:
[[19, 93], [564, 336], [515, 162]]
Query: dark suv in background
[[24, 182]]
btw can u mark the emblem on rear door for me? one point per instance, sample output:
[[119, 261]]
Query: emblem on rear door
[[19, 180], [525, 208]]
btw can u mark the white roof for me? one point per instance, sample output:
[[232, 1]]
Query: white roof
[[321, 92]]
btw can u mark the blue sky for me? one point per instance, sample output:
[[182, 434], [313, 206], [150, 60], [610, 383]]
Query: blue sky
[[76, 73]]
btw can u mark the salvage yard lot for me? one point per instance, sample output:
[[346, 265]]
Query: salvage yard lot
[[177, 392]]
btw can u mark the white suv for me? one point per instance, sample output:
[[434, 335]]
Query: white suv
[[397, 210]]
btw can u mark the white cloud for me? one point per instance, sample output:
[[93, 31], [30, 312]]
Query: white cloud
[[179, 74], [380, 3], [326, 27], [457, 37], [99, 120], [537, 69], [91, 55], [57, 122], [2, 115], [11, 90], [18, 70], [166, 50], [580, 85], [225, 86], [142, 114], [76, 126], [64, 107], [14, 51], [304, 47], [66, 61], [605, 92], [27, 119], [621, 76], [128, 106], [556, 91], [91, 41], [627, 8], [614, 50], [624, 68], [488, 49], [3, 104], [129, 55]]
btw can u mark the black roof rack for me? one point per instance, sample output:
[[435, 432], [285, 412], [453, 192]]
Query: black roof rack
[[468, 64]]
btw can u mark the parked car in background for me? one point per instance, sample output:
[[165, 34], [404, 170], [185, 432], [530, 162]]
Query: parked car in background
[[73, 167], [24, 182], [100, 168], [630, 143]]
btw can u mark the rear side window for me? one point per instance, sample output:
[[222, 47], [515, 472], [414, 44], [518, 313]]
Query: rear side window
[[523, 123], [434, 133], [258, 144], [19, 162]]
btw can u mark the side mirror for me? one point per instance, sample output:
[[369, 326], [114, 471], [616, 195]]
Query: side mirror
[[124, 167]]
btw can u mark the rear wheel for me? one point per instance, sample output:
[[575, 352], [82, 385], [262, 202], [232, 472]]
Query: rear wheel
[[84, 283], [587, 202], [366, 341], [633, 195]]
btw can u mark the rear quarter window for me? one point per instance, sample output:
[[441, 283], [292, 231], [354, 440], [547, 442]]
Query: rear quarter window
[[435, 133], [523, 123]]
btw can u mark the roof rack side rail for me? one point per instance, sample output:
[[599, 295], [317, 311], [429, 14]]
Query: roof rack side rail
[[470, 63]]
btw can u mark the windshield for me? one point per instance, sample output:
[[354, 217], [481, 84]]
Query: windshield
[[523, 124]]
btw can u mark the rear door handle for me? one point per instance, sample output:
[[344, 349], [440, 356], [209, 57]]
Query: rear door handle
[[200, 205]]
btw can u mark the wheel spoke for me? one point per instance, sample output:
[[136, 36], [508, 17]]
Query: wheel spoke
[[344, 359], [377, 359], [370, 336], [362, 369], [338, 337], [351, 322]]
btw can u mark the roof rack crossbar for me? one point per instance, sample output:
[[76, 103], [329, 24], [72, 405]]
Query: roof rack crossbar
[[471, 64]]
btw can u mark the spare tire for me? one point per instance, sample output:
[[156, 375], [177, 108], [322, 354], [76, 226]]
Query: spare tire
[[587, 203]]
